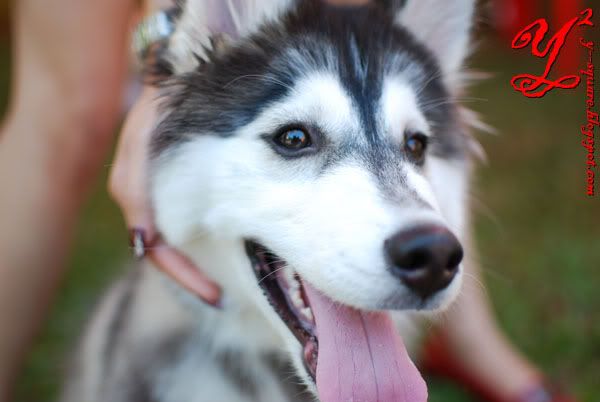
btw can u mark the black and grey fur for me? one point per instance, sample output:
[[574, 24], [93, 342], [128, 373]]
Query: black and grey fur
[[150, 341], [359, 44]]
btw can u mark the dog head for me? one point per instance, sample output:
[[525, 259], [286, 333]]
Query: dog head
[[324, 144]]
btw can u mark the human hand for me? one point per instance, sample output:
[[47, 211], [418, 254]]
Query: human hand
[[128, 185]]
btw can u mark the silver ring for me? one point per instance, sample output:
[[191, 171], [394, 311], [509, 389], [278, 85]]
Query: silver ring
[[153, 29]]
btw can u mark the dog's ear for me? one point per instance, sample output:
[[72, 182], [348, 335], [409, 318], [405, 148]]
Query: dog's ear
[[204, 26], [444, 26]]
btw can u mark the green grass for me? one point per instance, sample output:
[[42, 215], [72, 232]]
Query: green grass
[[539, 239]]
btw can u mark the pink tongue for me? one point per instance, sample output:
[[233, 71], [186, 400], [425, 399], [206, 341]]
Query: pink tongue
[[361, 356]]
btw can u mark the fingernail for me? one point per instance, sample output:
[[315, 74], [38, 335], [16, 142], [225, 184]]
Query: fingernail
[[137, 242]]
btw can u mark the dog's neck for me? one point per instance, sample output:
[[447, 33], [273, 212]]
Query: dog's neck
[[236, 342], [225, 261]]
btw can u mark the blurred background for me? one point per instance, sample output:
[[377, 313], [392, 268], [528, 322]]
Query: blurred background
[[537, 231]]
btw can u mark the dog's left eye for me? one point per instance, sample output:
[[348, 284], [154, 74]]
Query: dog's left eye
[[293, 139], [416, 145]]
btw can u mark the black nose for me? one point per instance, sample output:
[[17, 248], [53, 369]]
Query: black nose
[[425, 258]]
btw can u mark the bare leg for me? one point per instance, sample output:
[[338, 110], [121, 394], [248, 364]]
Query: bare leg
[[69, 64]]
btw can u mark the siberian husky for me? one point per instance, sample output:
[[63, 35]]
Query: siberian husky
[[314, 161]]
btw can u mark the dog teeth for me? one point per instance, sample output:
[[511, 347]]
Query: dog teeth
[[297, 299], [307, 313], [294, 289], [291, 281]]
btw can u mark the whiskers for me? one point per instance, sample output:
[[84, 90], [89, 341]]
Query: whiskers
[[259, 77], [474, 280], [435, 103], [272, 272]]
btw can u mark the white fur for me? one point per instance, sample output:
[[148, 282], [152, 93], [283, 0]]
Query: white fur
[[202, 19], [400, 109], [450, 182]]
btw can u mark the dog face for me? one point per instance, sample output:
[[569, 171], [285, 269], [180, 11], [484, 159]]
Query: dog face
[[327, 143]]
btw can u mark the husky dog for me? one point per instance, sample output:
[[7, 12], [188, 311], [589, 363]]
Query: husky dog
[[314, 161]]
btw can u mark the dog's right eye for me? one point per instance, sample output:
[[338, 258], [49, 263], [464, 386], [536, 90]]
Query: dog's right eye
[[292, 141]]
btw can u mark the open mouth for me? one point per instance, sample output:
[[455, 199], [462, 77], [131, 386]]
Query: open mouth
[[351, 354], [284, 291]]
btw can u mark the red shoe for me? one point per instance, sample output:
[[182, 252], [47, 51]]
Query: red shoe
[[436, 360]]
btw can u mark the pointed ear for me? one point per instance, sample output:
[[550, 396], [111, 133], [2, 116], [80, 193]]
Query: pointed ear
[[202, 21], [444, 26]]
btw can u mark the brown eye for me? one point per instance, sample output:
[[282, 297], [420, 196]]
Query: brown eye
[[416, 145], [293, 139]]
